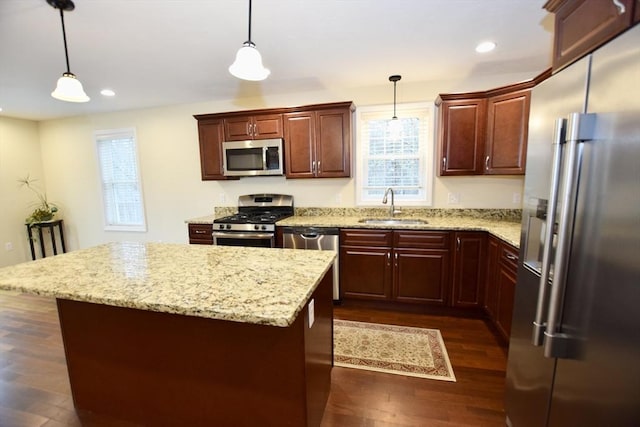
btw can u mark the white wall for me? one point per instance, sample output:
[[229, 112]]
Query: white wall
[[19, 156], [170, 168]]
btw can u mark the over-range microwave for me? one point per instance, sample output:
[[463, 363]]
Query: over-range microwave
[[252, 158]]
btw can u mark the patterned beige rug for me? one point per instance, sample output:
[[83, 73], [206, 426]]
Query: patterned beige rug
[[400, 350]]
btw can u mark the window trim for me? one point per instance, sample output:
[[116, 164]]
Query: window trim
[[129, 133], [427, 150]]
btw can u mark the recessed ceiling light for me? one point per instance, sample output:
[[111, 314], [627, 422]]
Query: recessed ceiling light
[[107, 92], [485, 47]]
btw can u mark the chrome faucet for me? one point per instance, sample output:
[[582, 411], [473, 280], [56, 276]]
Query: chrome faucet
[[392, 208]]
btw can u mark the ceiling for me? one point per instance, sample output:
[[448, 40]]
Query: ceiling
[[164, 52]]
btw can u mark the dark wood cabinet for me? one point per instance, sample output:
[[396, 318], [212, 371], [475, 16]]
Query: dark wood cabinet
[[468, 269], [484, 133], [211, 135], [260, 126], [402, 266], [318, 142], [507, 129], [365, 264], [462, 136], [200, 234], [421, 265], [491, 289], [581, 26], [636, 18], [502, 267]]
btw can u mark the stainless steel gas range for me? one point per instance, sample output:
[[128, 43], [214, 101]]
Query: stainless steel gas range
[[255, 222]]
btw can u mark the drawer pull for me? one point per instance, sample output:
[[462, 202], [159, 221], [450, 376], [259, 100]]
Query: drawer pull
[[200, 231], [621, 8], [511, 257]]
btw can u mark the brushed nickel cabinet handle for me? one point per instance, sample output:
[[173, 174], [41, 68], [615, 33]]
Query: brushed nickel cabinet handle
[[486, 163], [621, 7]]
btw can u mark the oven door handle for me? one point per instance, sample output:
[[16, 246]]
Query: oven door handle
[[234, 235]]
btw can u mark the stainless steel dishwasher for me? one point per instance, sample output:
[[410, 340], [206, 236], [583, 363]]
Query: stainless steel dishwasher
[[318, 239]]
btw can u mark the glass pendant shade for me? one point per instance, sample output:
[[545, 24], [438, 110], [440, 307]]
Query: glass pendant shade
[[248, 64], [69, 89]]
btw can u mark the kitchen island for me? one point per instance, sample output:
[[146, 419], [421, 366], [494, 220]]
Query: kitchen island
[[165, 334]]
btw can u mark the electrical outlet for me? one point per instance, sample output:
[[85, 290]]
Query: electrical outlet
[[517, 198], [223, 198], [8, 246], [453, 198]]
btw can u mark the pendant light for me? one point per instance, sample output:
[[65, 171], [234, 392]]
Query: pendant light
[[394, 79], [395, 127], [69, 87], [248, 63]]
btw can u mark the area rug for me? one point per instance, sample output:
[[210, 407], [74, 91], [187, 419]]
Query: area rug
[[401, 350]]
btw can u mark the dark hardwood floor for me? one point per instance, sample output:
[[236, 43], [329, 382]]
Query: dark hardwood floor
[[34, 387]]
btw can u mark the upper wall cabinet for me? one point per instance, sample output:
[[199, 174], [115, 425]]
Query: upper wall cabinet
[[507, 125], [318, 142], [484, 133], [583, 25], [260, 126], [317, 138], [211, 135], [462, 136]]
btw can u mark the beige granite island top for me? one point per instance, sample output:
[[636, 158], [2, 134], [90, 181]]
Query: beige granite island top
[[241, 284]]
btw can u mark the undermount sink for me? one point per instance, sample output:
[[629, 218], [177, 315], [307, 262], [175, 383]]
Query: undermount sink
[[392, 221]]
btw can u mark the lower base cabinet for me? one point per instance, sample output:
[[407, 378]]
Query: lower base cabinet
[[200, 234], [502, 266], [402, 266]]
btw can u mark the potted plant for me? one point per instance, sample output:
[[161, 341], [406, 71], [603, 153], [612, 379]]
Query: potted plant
[[43, 210]]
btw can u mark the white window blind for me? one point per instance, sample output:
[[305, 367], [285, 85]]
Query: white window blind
[[395, 153], [120, 180]]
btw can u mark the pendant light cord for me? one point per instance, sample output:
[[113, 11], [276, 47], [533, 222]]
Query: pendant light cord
[[394, 101], [64, 38], [250, 22]]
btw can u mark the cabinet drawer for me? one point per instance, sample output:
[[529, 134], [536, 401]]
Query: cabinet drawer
[[200, 233], [421, 239], [366, 237], [509, 257]]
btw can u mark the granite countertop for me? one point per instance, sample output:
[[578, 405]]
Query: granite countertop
[[250, 285], [504, 225], [508, 231]]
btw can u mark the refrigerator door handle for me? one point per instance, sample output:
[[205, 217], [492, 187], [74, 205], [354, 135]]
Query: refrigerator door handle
[[556, 343], [539, 323]]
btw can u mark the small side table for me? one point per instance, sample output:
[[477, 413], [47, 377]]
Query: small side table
[[51, 226]]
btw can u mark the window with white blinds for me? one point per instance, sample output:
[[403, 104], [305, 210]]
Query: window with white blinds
[[120, 180], [395, 153]]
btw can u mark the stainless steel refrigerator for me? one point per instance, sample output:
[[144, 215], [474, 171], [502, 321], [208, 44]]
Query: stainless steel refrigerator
[[574, 353]]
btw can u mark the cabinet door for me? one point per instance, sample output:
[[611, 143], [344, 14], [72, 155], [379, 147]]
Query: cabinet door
[[636, 19], [468, 269], [261, 126], [507, 125], [421, 276], [333, 143], [583, 25], [506, 283], [462, 134], [211, 135], [200, 234], [238, 128], [365, 272], [491, 286], [299, 143]]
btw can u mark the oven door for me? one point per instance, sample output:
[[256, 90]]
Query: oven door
[[234, 238]]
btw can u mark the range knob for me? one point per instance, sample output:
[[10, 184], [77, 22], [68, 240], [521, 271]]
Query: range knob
[[228, 226], [264, 227], [256, 227], [221, 226]]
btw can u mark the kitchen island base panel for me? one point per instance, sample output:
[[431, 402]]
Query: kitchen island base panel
[[165, 369]]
